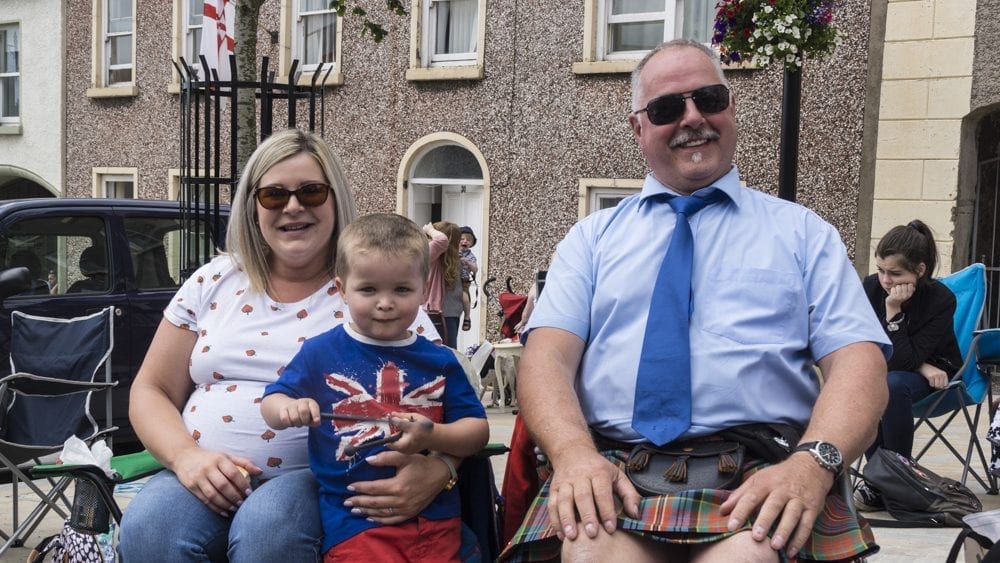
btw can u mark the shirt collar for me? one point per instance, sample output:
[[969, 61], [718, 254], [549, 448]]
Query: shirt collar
[[729, 183]]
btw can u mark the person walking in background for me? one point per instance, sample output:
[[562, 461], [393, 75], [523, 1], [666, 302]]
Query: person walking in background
[[918, 314], [444, 280]]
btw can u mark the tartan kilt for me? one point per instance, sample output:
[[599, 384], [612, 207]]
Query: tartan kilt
[[693, 517]]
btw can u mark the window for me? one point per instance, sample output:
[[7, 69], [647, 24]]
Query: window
[[602, 193], [447, 42], [114, 182], [311, 35], [113, 72], [618, 33], [118, 42], [193, 11], [64, 254], [451, 31], [10, 65]]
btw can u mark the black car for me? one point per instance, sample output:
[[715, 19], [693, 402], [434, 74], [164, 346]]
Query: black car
[[87, 254]]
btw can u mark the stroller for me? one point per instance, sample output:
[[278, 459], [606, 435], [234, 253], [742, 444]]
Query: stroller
[[509, 305]]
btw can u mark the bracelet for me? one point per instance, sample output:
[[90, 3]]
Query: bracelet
[[451, 469]]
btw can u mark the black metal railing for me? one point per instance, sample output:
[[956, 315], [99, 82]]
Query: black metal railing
[[209, 128]]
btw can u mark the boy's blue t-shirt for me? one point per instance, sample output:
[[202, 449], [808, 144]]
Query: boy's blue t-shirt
[[348, 373]]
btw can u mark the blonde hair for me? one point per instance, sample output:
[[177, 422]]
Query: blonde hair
[[384, 235], [244, 241], [449, 258]]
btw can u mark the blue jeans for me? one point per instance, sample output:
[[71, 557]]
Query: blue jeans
[[895, 431], [278, 522], [452, 324]]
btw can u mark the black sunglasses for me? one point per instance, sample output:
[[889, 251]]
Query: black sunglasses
[[276, 197], [670, 107]]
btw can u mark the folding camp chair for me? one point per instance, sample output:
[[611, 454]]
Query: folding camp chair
[[56, 365], [966, 391]]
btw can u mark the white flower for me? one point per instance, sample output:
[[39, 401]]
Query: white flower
[[790, 19], [769, 49], [789, 58], [768, 9], [756, 33]]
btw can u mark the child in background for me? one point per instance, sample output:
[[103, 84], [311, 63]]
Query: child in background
[[401, 387], [469, 268]]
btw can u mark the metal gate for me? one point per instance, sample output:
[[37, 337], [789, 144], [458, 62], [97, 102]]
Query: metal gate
[[985, 235], [208, 129]]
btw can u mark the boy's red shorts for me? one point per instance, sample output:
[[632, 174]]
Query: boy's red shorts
[[430, 541]]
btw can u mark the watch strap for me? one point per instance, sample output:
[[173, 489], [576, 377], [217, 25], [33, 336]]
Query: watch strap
[[451, 469]]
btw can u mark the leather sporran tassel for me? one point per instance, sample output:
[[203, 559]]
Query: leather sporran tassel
[[727, 464], [678, 471], [639, 461]]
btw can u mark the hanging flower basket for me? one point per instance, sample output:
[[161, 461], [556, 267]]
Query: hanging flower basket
[[765, 32]]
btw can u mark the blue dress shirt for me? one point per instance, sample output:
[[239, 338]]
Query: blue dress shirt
[[772, 292]]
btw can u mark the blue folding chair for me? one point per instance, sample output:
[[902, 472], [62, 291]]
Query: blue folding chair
[[970, 386]]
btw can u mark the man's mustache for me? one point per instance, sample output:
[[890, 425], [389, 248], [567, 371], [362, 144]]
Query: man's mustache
[[705, 133]]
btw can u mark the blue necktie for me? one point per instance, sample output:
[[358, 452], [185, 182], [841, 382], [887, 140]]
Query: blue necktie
[[662, 410]]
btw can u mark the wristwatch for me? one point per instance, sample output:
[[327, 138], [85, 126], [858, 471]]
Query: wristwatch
[[826, 454]]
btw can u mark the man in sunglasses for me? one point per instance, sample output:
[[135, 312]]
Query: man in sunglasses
[[771, 294]]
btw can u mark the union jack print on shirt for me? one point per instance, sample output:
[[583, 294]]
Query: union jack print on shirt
[[391, 395]]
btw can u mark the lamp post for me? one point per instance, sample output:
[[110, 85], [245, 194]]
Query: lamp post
[[788, 160]]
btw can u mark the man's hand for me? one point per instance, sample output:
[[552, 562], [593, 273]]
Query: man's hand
[[791, 494], [584, 482]]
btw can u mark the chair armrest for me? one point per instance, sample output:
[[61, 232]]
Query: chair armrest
[[31, 384]]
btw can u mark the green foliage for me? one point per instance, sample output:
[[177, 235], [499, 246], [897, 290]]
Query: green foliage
[[369, 27]]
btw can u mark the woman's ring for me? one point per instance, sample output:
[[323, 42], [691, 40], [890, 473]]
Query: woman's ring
[[391, 511]]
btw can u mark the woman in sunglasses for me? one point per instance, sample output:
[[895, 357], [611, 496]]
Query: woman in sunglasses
[[233, 488]]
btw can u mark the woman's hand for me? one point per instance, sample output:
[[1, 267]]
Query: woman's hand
[[418, 481], [937, 377], [219, 480], [898, 295]]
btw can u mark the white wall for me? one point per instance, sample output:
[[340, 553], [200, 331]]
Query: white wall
[[38, 148]]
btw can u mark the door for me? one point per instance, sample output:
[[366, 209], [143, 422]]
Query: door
[[463, 205]]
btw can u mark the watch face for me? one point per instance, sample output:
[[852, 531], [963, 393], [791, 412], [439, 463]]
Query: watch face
[[829, 453]]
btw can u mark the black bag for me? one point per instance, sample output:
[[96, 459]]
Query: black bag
[[915, 495], [682, 466]]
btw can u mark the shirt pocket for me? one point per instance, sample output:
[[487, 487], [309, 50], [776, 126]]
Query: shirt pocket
[[751, 306]]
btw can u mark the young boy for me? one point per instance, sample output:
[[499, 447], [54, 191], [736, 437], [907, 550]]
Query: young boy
[[468, 267], [379, 380]]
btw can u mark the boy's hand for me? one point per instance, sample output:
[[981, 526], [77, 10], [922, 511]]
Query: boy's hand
[[416, 429], [300, 412]]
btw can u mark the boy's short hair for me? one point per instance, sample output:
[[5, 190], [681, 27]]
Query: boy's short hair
[[385, 235]]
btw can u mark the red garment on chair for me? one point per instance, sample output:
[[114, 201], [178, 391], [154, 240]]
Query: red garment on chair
[[520, 480], [512, 306]]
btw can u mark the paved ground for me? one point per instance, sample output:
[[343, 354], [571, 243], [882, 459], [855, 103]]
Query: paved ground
[[898, 545]]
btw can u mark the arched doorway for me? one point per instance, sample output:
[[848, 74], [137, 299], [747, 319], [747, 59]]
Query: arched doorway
[[444, 177], [17, 183]]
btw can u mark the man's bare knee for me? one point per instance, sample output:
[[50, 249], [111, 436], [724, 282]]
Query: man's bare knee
[[619, 546], [739, 548]]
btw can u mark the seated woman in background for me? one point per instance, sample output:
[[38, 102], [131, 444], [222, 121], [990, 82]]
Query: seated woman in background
[[918, 314]]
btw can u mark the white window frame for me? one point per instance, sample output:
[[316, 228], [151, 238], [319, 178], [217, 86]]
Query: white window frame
[[290, 44], [100, 57], [182, 31], [668, 16], [597, 32], [592, 190], [103, 176], [456, 66], [430, 37], [15, 74]]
